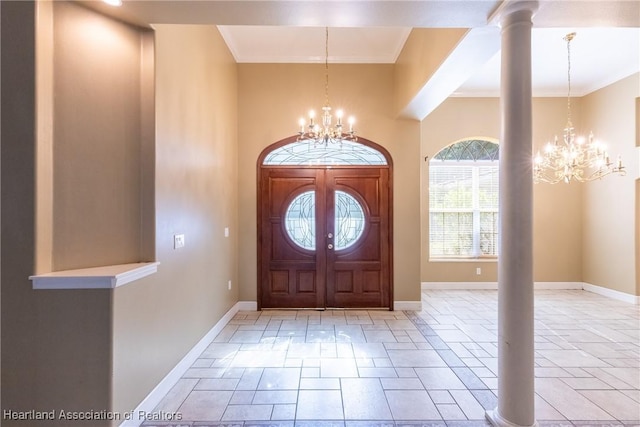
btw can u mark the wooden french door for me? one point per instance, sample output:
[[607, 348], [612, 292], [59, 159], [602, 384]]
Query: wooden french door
[[325, 237]]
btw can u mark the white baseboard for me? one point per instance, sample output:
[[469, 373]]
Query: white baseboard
[[153, 399], [407, 305], [558, 285], [610, 293], [459, 285], [247, 306], [494, 285]]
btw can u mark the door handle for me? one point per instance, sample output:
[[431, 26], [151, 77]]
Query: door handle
[[329, 246]]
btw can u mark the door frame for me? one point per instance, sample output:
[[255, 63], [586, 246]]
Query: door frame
[[260, 167]]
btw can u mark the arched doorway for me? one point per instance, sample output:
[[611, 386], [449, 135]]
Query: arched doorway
[[325, 226]]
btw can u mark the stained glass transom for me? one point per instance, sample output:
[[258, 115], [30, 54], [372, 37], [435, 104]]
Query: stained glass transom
[[300, 220], [472, 149], [349, 220], [309, 154]]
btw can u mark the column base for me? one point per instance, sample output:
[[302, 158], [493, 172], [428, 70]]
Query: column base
[[496, 420]]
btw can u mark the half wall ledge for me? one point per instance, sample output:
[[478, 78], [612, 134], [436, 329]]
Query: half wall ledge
[[107, 277]]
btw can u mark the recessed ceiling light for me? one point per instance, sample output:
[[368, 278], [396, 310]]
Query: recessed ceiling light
[[113, 2]]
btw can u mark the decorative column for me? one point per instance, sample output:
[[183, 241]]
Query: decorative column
[[515, 260]]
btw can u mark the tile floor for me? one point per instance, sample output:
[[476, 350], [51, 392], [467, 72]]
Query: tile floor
[[436, 367]]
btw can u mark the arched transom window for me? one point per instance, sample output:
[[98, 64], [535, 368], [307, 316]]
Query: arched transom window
[[463, 200], [349, 153]]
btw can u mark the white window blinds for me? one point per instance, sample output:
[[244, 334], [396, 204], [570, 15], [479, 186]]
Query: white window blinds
[[463, 209]]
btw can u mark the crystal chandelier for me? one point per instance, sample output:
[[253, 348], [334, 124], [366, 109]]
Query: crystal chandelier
[[323, 132], [575, 158]]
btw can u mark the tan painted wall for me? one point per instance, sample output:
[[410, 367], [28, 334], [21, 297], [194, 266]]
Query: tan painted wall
[[421, 56], [158, 319], [557, 225], [97, 188], [557, 215], [610, 213], [99, 349], [55, 344], [271, 100]]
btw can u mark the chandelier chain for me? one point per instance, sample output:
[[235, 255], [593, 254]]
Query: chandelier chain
[[326, 65], [568, 38]]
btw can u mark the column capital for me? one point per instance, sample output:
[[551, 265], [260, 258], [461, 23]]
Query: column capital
[[512, 8]]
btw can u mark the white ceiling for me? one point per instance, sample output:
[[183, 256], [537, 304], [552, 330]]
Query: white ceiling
[[599, 56], [606, 48], [269, 44]]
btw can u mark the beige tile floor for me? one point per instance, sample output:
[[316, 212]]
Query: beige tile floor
[[436, 367]]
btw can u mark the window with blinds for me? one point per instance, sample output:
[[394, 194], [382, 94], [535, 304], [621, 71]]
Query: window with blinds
[[463, 201]]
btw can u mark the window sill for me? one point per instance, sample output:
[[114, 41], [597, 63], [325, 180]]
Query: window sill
[[107, 277], [463, 259]]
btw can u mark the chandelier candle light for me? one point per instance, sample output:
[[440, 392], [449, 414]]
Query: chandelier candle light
[[324, 132], [575, 158]]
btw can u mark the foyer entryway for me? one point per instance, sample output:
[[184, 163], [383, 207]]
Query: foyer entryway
[[435, 367], [324, 226]]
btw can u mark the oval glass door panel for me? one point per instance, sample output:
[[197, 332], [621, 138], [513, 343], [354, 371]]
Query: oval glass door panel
[[300, 220], [349, 220]]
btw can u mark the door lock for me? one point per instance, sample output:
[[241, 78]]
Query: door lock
[[330, 235]]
